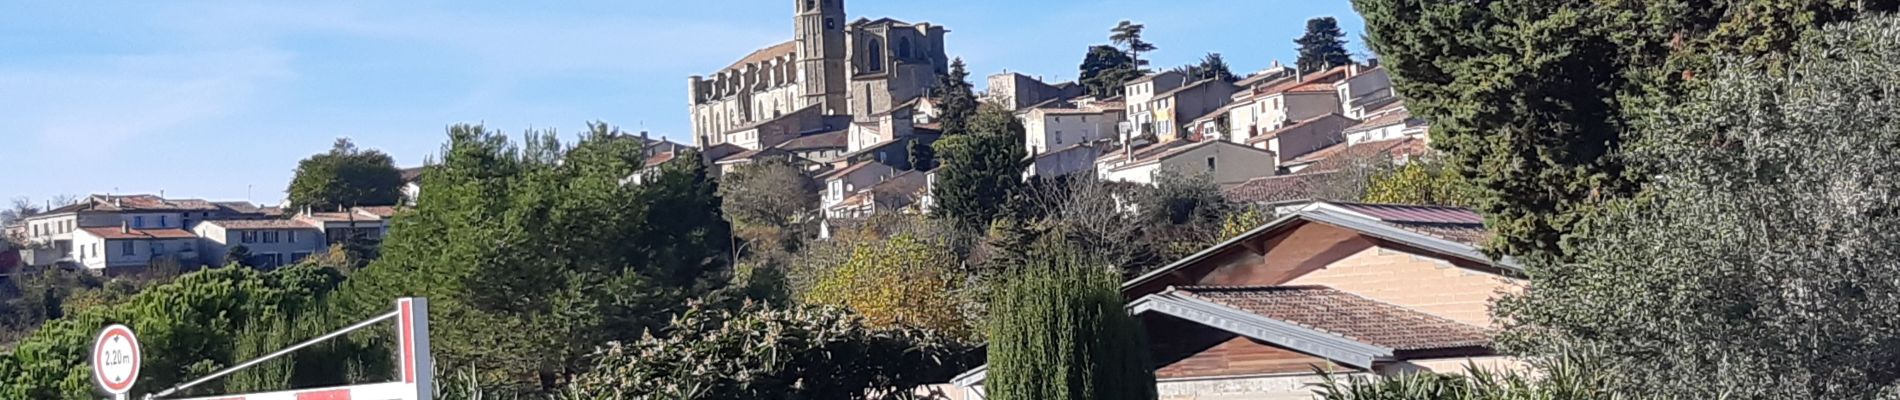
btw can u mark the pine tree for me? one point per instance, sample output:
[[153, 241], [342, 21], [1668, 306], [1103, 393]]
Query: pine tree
[[1128, 34], [1105, 69], [1059, 331], [1211, 67], [956, 99], [981, 171], [1323, 46]]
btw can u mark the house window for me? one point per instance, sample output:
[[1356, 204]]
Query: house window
[[292, 235], [1210, 163], [830, 23], [138, 222], [903, 47], [247, 237], [125, 248], [161, 220]]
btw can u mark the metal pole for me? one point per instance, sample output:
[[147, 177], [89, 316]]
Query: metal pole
[[279, 353]]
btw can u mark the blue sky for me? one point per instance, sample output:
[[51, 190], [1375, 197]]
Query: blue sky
[[219, 100]]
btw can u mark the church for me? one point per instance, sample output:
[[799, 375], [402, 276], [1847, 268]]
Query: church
[[863, 79]]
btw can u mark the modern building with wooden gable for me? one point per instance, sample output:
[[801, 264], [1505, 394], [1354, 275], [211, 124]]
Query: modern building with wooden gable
[[1344, 287]]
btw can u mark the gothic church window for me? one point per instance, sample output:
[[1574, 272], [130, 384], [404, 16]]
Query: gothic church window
[[811, 4], [903, 48], [875, 57]]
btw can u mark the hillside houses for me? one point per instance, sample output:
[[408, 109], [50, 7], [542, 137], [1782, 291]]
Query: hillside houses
[[126, 233]]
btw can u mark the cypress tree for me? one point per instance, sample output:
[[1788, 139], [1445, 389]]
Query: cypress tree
[[1059, 331]]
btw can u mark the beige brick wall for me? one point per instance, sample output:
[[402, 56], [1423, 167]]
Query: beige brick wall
[[1423, 283]]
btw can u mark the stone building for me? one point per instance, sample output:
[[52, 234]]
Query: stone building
[[830, 68]]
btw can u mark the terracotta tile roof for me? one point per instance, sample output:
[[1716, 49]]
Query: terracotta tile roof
[[262, 224], [1351, 316], [1278, 188], [1327, 76], [379, 211], [1276, 132], [138, 202], [239, 207], [1337, 155], [1384, 120], [1314, 87], [658, 159], [412, 174], [113, 232], [358, 214], [843, 171], [767, 53], [827, 140]]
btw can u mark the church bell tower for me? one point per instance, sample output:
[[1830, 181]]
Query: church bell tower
[[819, 26]]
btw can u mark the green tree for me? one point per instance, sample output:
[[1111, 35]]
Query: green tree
[[1758, 264], [1211, 67], [979, 171], [346, 176], [762, 353], [193, 326], [1184, 212], [1420, 182], [956, 99], [1323, 46], [1105, 70], [1542, 149], [1059, 331], [1245, 220], [903, 281], [922, 156], [1128, 34], [238, 255], [771, 203], [532, 255]]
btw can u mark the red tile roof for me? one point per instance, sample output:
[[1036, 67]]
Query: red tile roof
[[658, 159], [1383, 120], [1279, 188], [1337, 155], [1351, 316], [1327, 77], [827, 140], [113, 232]]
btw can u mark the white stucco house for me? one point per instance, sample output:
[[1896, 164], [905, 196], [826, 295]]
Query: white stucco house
[[271, 242], [124, 248], [1224, 162]]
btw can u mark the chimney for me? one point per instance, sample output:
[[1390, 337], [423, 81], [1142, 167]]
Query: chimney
[[1352, 69], [125, 227], [643, 136], [117, 203]]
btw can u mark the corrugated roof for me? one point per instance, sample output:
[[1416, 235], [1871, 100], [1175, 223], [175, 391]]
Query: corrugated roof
[[1357, 318]]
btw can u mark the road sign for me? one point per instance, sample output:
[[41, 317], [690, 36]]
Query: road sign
[[115, 360]]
